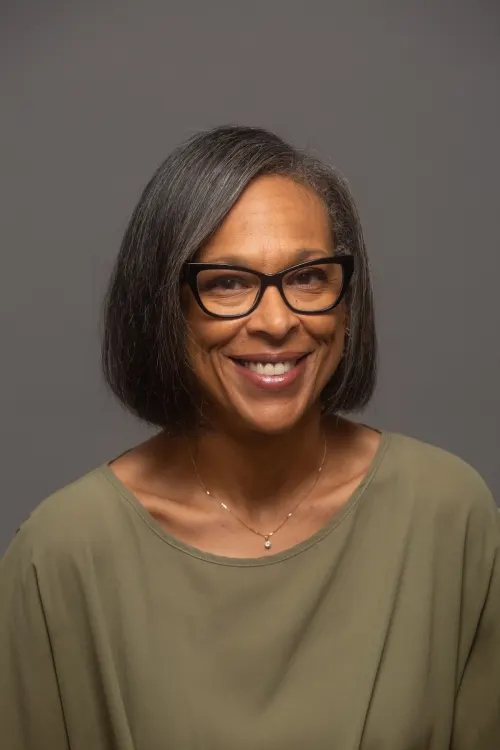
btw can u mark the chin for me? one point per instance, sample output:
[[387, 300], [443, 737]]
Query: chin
[[270, 421]]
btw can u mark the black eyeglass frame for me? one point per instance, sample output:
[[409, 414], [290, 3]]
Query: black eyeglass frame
[[191, 271]]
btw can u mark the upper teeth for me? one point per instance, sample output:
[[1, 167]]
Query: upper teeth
[[266, 368]]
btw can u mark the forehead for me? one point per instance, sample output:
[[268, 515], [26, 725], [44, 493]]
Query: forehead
[[273, 222]]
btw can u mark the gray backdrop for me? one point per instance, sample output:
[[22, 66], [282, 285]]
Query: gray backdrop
[[402, 96]]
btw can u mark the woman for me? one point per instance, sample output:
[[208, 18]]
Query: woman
[[262, 573]]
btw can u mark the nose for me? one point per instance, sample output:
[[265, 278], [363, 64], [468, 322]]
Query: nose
[[272, 317]]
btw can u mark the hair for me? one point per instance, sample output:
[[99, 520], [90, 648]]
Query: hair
[[144, 353]]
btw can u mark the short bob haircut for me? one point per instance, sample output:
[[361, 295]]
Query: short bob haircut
[[144, 339]]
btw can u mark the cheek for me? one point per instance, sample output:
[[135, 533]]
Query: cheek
[[329, 333], [328, 330], [206, 337]]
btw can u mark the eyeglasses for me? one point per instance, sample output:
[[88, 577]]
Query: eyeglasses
[[311, 288]]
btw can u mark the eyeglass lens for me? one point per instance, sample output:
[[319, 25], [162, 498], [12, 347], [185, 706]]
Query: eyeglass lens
[[231, 292]]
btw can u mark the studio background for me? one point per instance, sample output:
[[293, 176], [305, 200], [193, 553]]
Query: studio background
[[404, 97]]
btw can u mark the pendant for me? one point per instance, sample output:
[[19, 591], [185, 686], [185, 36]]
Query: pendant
[[267, 543]]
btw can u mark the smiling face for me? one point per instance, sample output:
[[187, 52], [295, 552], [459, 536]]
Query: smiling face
[[266, 371]]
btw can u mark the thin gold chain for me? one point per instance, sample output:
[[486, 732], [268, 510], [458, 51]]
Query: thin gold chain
[[266, 537]]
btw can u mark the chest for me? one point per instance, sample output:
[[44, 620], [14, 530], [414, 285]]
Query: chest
[[342, 655]]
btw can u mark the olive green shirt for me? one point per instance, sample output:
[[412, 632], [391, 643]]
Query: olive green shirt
[[381, 631]]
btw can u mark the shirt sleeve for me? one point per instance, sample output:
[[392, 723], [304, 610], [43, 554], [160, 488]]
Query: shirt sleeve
[[477, 707], [31, 715]]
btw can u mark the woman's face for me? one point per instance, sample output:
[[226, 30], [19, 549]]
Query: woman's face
[[275, 224]]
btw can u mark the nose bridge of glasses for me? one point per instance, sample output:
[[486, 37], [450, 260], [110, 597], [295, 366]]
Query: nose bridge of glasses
[[272, 313], [271, 287]]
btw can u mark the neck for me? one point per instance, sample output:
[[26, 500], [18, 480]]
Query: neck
[[257, 475]]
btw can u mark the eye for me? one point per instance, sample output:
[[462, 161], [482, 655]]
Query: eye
[[309, 277], [224, 283]]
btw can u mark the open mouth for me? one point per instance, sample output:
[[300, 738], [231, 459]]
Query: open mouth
[[270, 368]]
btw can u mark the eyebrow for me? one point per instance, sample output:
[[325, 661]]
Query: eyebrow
[[306, 254], [229, 260], [300, 256]]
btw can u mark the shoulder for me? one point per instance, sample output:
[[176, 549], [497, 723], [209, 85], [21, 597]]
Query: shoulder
[[444, 512], [83, 519], [438, 480]]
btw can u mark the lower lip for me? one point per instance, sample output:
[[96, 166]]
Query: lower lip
[[273, 382]]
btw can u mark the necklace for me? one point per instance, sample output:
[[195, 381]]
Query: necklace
[[266, 537]]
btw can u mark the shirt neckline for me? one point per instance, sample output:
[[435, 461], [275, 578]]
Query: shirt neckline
[[249, 562]]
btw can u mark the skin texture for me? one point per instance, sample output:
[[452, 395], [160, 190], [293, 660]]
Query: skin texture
[[263, 449], [275, 224]]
